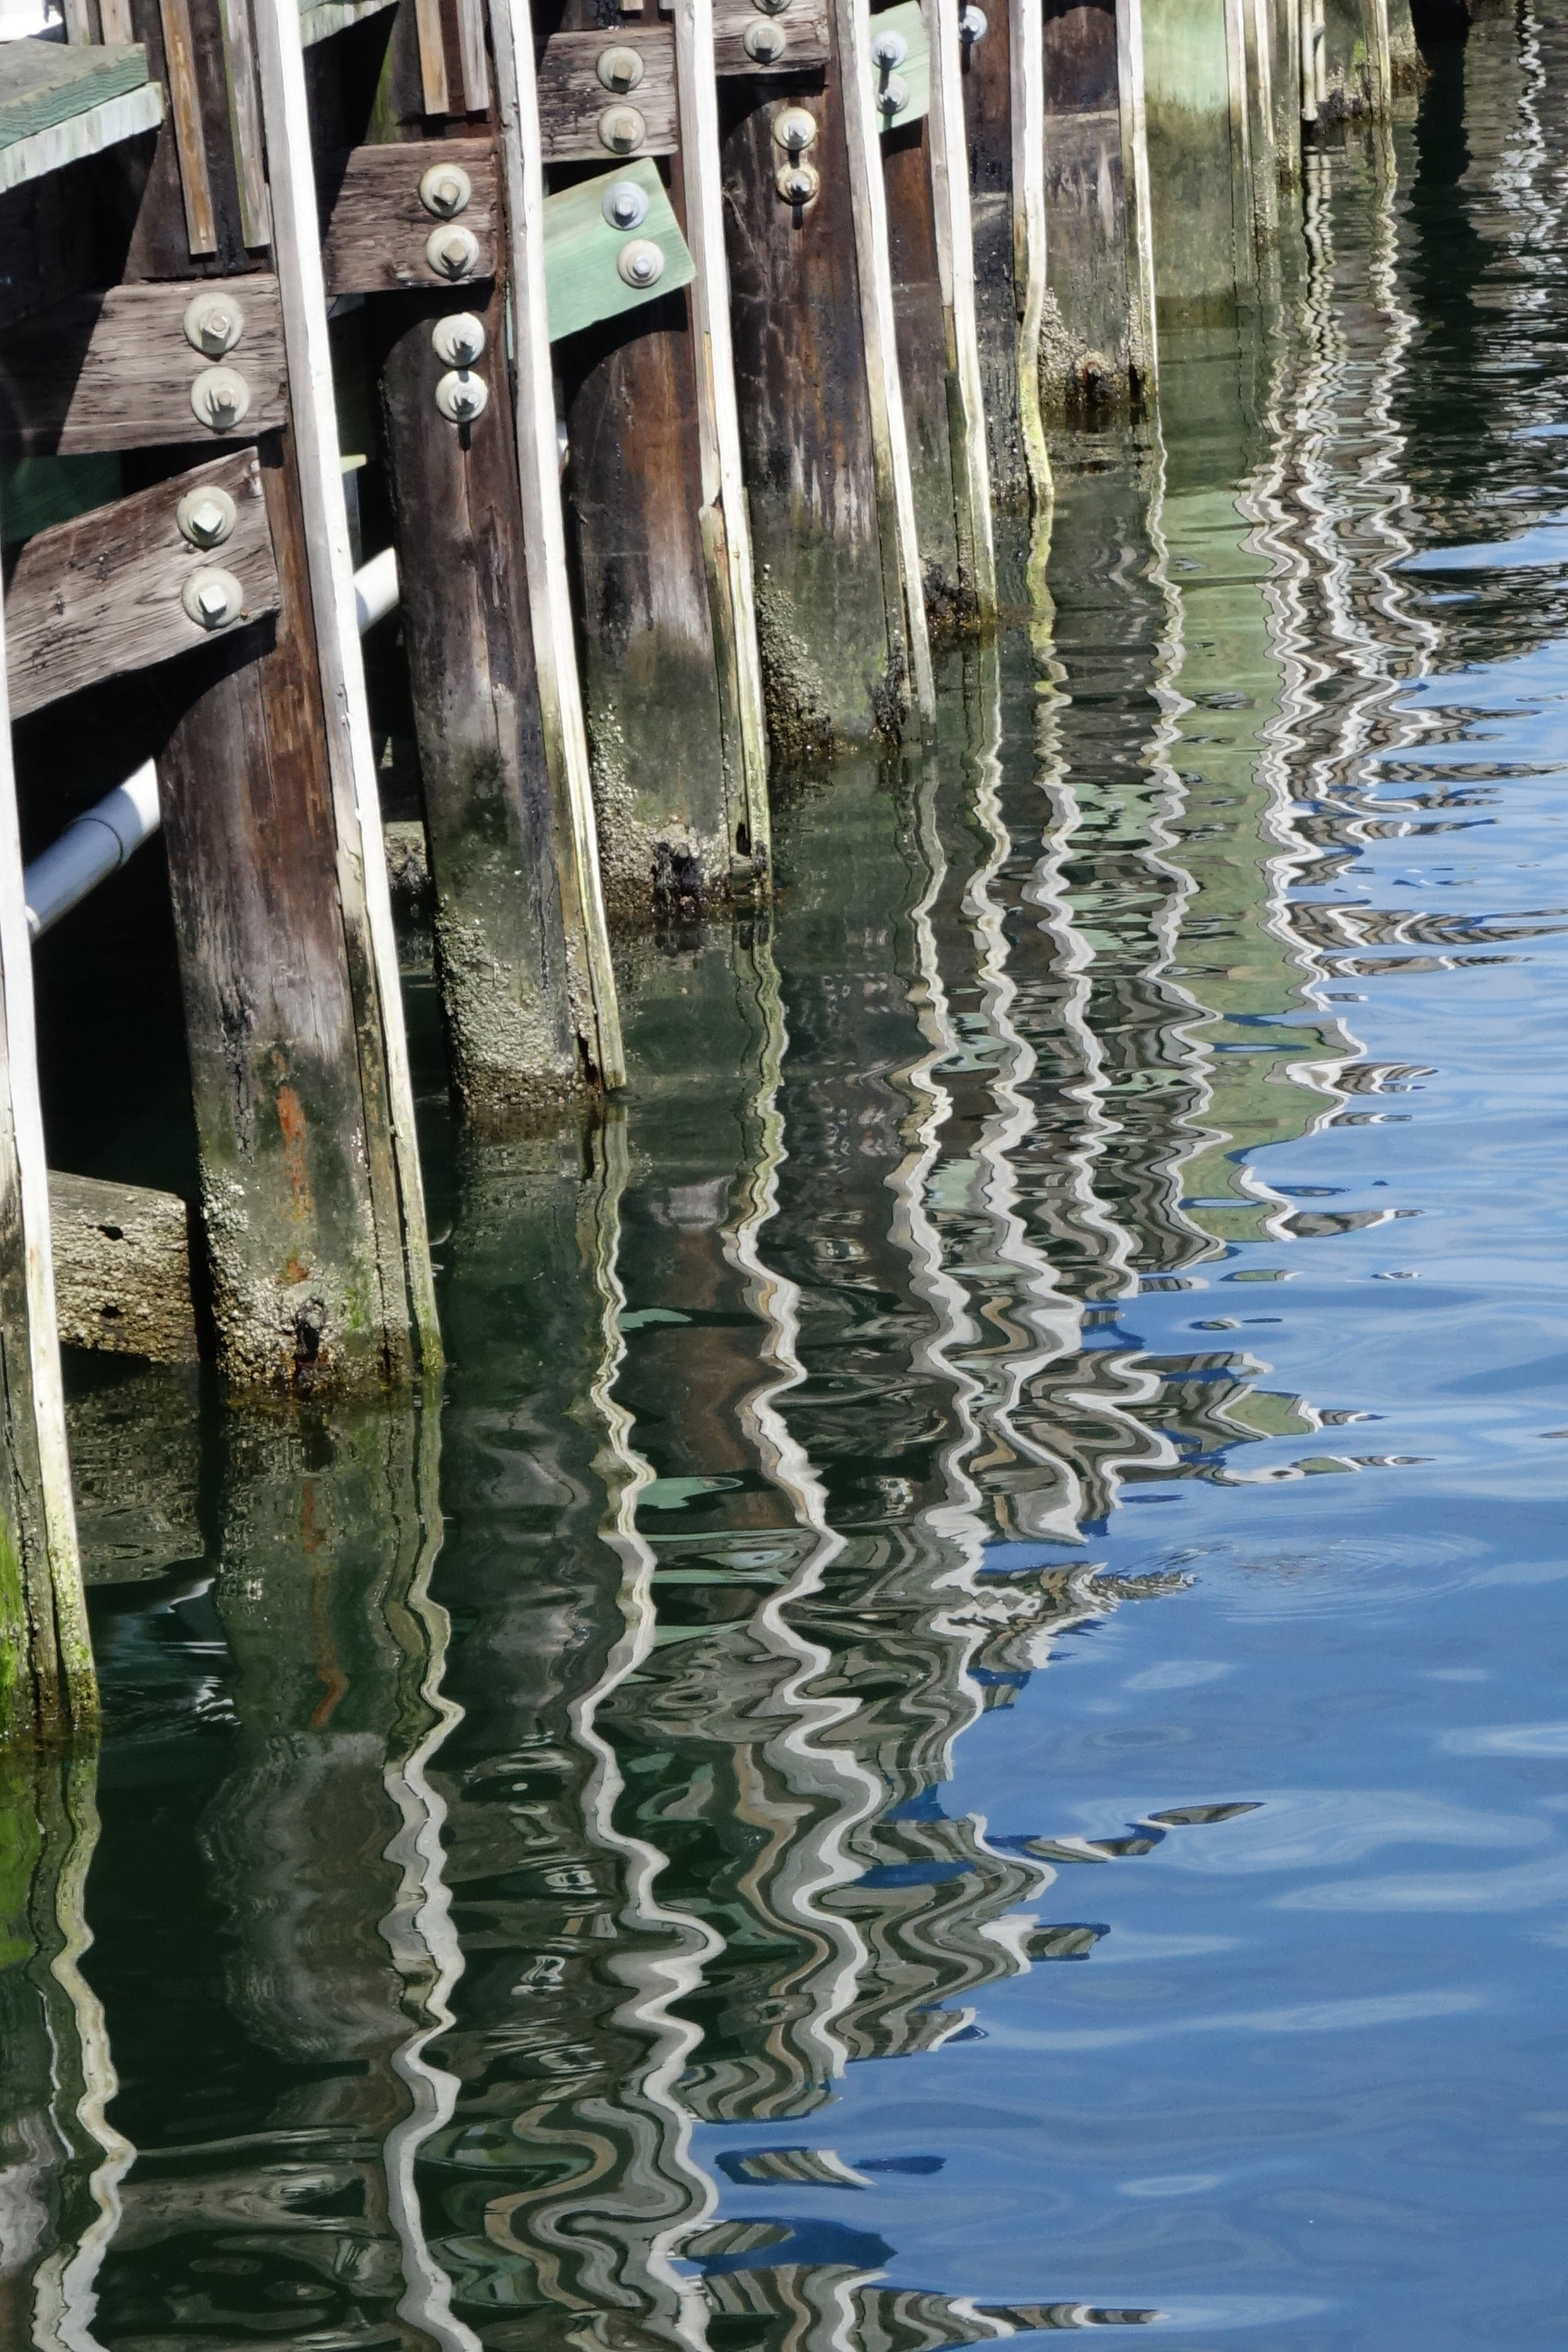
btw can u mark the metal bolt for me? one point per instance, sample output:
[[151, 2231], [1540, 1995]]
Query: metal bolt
[[452, 251], [459, 340], [206, 518], [888, 50], [622, 130], [795, 129], [798, 183], [461, 397], [618, 69], [894, 94], [764, 43], [221, 398], [445, 190], [625, 205], [971, 22], [640, 263], [214, 324], [771, 8], [213, 599]]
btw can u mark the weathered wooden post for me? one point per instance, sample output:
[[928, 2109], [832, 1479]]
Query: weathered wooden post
[[914, 52], [1003, 86], [48, 1691], [310, 1184], [840, 611], [1210, 129], [419, 224], [1099, 340]]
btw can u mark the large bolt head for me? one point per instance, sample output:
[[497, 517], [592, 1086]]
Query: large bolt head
[[206, 518], [445, 190], [622, 130], [214, 324], [795, 129], [771, 8], [893, 95], [460, 341], [460, 396], [619, 69], [452, 252], [220, 398], [640, 263], [798, 184], [213, 599], [625, 205], [764, 43], [971, 22], [888, 50]]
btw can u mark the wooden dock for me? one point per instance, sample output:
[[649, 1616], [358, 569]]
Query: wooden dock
[[640, 384]]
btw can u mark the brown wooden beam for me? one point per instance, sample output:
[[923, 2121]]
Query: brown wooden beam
[[574, 100], [376, 229]]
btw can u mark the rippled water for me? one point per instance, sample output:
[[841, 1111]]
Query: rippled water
[[983, 1745]]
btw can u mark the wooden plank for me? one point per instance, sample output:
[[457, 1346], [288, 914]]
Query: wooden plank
[[46, 1684], [86, 134], [581, 250], [336, 17], [374, 229], [474, 56], [949, 143], [244, 121], [115, 370], [572, 100], [94, 597], [1144, 333], [727, 532], [431, 56], [895, 490], [403, 1249], [43, 83], [190, 139], [1027, 121], [908, 20], [115, 18], [122, 1269], [544, 536], [808, 44]]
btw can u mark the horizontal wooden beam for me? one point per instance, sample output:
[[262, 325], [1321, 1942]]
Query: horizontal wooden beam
[[43, 83], [803, 25], [376, 230], [122, 1269], [574, 102], [103, 593], [336, 17], [117, 371], [43, 151]]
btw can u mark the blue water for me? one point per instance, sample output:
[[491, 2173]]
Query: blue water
[[956, 1726]]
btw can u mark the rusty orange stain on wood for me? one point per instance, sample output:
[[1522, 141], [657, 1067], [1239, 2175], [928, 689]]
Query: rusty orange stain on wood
[[291, 1119]]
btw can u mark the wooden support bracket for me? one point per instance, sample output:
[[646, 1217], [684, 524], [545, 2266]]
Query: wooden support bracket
[[102, 595], [807, 41], [116, 371], [574, 102], [581, 250], [375, 232]]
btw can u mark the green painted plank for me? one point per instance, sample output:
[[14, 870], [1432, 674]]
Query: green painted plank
[[581, 283], [915, 72], [43, 83]]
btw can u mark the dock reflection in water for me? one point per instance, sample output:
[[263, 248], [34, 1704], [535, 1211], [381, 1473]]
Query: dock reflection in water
[[968, 1748]]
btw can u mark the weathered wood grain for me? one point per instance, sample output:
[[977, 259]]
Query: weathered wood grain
[[1098, 344], [374, 229], [65, 143], [245, 120], [115, 371], [803, 25], [43, 83], [336, 17], [122, 1269], [190, 139], [954, 223], [572, 98], [93, 597]]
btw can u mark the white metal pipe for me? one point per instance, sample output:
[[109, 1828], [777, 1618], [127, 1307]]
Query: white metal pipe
[[98, 841]]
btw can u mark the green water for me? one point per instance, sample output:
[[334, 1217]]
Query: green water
[[954, 1726]]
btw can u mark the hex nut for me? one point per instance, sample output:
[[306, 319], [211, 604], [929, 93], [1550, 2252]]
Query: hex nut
[[452, 252], [622, 130], [214, 324], [625, 205], [460, 341], [213, 599], [795, 129], [888, 50], [893, 95], [771, 8], [461, 397], [445, 190], [206, 518], [765, 43], [640, 263], [798, 184], [619, 69], [220, 398]]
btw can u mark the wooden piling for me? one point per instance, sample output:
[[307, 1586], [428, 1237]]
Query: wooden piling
[[1098, 345], [821, 471], [1004, 90], [1211, 156]]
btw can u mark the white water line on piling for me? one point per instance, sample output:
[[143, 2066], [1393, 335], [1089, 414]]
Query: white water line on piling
[[107, 835]]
